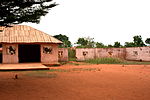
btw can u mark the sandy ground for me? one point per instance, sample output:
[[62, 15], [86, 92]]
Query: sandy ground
[[84, 82]]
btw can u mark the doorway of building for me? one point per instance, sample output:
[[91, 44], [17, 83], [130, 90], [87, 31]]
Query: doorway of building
[[29, 53]]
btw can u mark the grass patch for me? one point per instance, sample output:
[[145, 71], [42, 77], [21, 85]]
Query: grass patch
[[104, 61], [59, 70], [135, 63], [72, 70], [41, 74], [73, 64], [72, 54], [84, 69], [115, 61], [72, 59]]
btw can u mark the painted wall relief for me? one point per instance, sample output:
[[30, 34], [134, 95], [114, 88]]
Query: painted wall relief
[[135, 53], [10, 50], [47, 49], [85, 53], [110, 53], [60, 54]]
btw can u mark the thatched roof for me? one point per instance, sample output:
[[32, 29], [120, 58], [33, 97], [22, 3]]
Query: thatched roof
[[25, 34]]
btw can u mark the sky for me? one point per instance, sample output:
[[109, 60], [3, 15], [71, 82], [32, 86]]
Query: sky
[[106, 21]]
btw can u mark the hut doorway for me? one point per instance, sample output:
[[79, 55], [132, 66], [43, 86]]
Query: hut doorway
[[29, 53]]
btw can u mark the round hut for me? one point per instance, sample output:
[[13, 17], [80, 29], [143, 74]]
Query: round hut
[[24, 44]]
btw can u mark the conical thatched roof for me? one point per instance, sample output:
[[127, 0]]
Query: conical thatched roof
[[25, 34]]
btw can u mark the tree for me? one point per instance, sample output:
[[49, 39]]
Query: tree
[[129, 44], [117, 45], [138, 42], [64, 39], [100, 45], [91, 43], [86, 42], [147, 41], [19, 11], [110, 46], [82, 42]]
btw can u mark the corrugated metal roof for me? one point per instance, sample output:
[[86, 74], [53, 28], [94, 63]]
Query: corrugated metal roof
[[25, 34]]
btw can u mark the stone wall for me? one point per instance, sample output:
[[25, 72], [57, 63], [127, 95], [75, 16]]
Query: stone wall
[[63, 54], [134, 53]]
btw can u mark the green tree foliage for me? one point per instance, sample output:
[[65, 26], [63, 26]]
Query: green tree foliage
[[86, 42], [109, 46], [72, 54], [117, 44], [64, 39], [147, 41], [82, 42], [129, 44], [19, 11], [100, 45], [91, 43], [138, 41]]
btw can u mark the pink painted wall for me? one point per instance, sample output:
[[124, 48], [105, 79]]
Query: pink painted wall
[[134, 53], [110, 52], [138, 53], [85, 53], [45, 58], [63, 54], [51, 58], [8, 58]]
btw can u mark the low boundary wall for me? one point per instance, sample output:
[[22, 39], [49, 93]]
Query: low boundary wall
[[133, 53], [63, 54]]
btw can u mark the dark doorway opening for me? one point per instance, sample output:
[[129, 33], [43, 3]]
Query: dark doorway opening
[[29, 53]]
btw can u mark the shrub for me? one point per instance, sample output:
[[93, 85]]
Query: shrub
[[72, 54], [104, 61]]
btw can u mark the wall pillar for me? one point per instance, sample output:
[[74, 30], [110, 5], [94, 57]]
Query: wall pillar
[[49, 53], [10, 53]]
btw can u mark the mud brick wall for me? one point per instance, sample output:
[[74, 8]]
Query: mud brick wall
[[110, 52], [133, 54], [138, 53], [63, 54], [85, 53], [49, 57], [9, 57]]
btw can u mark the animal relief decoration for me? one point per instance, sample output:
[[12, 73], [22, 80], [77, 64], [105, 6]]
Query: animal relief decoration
[[11, 50], [110, 53], [135, 53], [60, 54], [85, 53], [47, 49]]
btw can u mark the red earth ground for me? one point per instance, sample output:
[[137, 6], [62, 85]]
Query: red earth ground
[[78, 82]]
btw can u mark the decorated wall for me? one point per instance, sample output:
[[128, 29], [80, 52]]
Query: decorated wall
[[138, 53], [49, 53], [63, 54], [10, 53], [134, 53]]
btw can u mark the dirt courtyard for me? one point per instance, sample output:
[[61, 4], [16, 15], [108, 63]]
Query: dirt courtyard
[[78, 82]]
